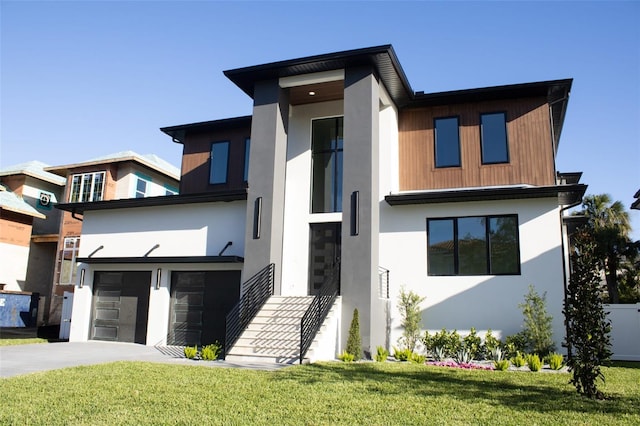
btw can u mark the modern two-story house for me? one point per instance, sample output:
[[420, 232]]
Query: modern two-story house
[[343, 187]]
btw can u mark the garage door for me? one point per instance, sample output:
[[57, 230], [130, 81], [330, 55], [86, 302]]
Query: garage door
[[200, 301], [121, 306]]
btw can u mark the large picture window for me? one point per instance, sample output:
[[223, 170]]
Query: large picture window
[[86, 187], [219, 162], [447, 137], [493, 129], [326, 147], [478, 245]]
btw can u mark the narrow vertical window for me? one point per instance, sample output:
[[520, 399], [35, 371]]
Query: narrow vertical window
[[493, 129], [447, 142], [68, 264], [441, 253], [503, 240], [219, 162], [247, 150], [141, 188], [326, 147]]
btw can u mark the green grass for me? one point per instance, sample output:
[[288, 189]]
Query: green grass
[[318, 394], [11, 342]]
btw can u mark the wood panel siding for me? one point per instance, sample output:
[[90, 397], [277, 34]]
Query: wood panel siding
[[196, 156], [531, 159]]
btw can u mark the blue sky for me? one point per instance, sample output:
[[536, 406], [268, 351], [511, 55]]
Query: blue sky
[[83, 79]]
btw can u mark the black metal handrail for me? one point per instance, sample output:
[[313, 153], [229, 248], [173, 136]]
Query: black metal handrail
[[318, 310], [254, 293], [383, 276]]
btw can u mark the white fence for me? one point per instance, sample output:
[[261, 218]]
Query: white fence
[[625, 331]]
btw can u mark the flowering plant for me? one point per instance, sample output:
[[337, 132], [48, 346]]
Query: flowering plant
[[465, 365]]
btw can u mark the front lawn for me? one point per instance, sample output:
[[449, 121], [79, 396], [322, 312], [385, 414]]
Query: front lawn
[[324, 393]]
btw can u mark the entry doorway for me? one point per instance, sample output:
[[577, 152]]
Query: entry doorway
[[324, 253]]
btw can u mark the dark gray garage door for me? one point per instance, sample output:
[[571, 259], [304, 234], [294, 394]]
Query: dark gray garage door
[[121, 306], [200, 301]]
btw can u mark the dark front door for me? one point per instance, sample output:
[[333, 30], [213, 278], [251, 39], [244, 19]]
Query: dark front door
[[200, 301], [324, 253], [121, 306]]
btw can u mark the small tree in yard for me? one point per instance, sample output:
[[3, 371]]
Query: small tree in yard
[[354, 341], [537, 330], [409, 306], [588, 329]]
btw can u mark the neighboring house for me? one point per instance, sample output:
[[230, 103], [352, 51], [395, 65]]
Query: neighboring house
[[636, 202], [343, 175], [117, 176], [41, 190]]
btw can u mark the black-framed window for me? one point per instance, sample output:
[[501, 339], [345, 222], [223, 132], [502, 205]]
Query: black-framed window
[[219, 162], [493, 137], [326, 148], [447, 142], [247, 150], [476, 245]]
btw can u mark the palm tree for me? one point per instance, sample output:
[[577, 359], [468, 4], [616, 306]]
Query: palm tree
[[609, 224]]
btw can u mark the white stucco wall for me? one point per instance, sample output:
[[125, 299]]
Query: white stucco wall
[[127, 181], [483, 302], [179, 230], [14, 266], [159, 299], [297, 216]]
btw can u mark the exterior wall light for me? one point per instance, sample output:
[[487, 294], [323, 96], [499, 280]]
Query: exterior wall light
[[158, 278], [82, 272]]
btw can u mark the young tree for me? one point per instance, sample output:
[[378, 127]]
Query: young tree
[[588, 329], [409, 306], [537, 328], [609, 224], [354, 341]]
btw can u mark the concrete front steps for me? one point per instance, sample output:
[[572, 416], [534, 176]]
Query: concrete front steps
[[274, 334]]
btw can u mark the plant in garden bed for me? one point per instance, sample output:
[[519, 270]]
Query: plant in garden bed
[[466, 366], [501, 365], [518, 360], [211, 352], [538, 331], [191, 352], [417, 358], [556, 361], [381, 354], [409, 307], [354, 341], [534, 363], [402, 354], [346, 357]]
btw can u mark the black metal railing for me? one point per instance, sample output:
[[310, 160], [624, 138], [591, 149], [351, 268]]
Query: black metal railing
[[383, 278], [253, 294], [318, 310]]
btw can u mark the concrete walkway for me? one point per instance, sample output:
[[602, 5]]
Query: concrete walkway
[[24, 359]]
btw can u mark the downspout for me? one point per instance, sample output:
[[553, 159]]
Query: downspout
[[74, 215], [564, 267]]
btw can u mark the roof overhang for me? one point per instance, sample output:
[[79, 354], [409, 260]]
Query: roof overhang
[[163, 259], [168, 200], [382, 58], [179, 132], [566, 194], [65, 170]]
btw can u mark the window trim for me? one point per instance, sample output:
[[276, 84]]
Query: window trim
[[226, 175], [506, 138], [435, 142], [456, 263], [147, 180], [75, 250], [81, 187]]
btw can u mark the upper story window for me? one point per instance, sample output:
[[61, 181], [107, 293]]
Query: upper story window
[[219, 162], [170, 190], [493, 133], [247, 149], [142, 185], [86, 187], [480, 245], [326, 149], [447, 142]]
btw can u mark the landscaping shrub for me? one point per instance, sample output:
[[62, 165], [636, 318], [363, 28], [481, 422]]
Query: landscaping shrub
[[438, 353], [381, 354], [473, 343], [533, 362], [409, 307], [556, 361], [445, 343], [346, 357], [490, 344], [501, 365], [537, 323], [496, 354], [515, 343], [588, 328], [518, 360], [417, 358], [354, 341], [191, 352], [211, 352], [402, 354], [462, 356]]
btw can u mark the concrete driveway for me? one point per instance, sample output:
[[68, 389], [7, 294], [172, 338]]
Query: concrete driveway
[[24, 359]]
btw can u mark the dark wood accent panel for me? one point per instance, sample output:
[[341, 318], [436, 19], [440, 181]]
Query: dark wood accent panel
[[196, 165], [528, 133]]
